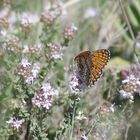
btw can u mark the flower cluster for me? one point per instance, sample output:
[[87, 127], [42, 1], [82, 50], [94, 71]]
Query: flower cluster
[[15, 123], [34, 49], [44, 96], [28, 71], [12, 44], [131, 84], [26, 25], [55, 51], [51, 13], [69, 32], [75, 83]]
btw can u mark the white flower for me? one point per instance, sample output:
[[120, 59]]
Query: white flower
[[56, 55], [29, 17], [47, 104], [73, 84], [84, 137], [112, 108], [29, 80], [16, 123], [25, 49], [44, 96], [3, 33], [35, 70], [25, 62], [91, 12], [125, 95], [46, 87], [81, 116]]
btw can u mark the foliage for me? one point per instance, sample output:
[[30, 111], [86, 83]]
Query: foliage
[[38, 95]]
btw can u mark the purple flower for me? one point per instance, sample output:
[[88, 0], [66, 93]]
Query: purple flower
[[15, 123], [44, 96]]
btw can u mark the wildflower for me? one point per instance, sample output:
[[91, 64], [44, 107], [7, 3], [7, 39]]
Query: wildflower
[[81, 116], [69, 32], [91, 13], [55, 51], [27, 17], [15, 122], [26, 25], [107, 108], [29, 80], [126, 95], [131, 84], [25, 49], [12, 44], [4, 23], [35, 69], [35, 49], [48, 17], [25, 62], [44, 96], [3, 33], [84, 137], [28, 71], [75, 83]]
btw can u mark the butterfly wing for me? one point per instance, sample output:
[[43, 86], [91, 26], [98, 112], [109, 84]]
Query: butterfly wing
[[84, 67], [99, 59]]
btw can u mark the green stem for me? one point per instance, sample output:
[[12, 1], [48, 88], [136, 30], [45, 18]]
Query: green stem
[[72, 119]]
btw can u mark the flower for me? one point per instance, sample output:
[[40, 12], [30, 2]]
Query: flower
[[91, 12], [81, 116], [126, 95], [12, 44], [27, 70], [26, 25], [15, 122], [83, 137], [44, 96], [25, 63], [35, 70], [55, 51], [75, 83], [35, 48], [69, 32], [131, 84]]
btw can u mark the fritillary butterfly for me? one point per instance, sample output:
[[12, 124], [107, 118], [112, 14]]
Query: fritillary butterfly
[[91, 64]]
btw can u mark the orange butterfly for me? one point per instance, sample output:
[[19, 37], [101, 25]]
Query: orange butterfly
[[90, 65]]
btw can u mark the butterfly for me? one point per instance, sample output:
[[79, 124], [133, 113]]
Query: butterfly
[[90, 65]]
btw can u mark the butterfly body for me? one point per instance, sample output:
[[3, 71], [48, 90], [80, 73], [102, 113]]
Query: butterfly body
[[90, 65]]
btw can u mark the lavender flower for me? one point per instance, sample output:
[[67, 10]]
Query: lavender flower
[[55, 51], [25, 63], [75, 83], [91, 12], [15, 123], [26, 25], [69, 32], [28, 71], [35, 49], [131, 84], [12, 44], [44, 96]]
